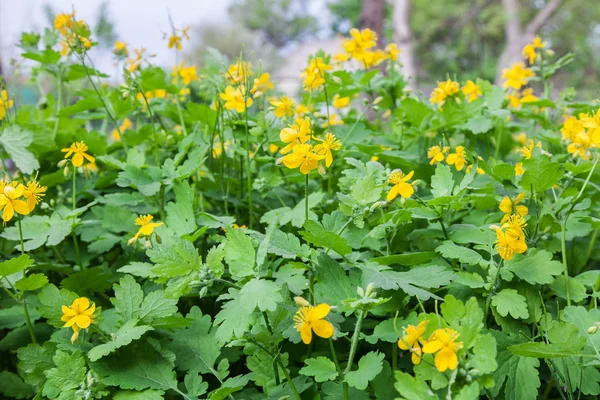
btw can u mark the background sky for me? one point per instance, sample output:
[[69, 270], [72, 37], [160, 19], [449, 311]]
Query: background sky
[[139, 22]]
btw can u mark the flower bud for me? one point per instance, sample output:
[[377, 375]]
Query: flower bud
[[148, 244], [336, 79], [66, 171], [158, 238], [360, 291], [301, 301], [132, 240], [494, 227], [378, 100], [370, 288], [592, 329], [62, 163], [203, 291]]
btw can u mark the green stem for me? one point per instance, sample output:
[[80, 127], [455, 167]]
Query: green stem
[[58, 104], [285, 371], [338, 368], [156, 156], [25, 309], [248, 175], [354, 344], [491, 292], [270, 330], [306, 199], [75, 242]]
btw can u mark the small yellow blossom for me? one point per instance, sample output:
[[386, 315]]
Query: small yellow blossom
[[444, 90], [115, 135], [334, 119], [401, 185], [471, 90], [234, 98], [175, 41], [510, 238], [412, 340], [78, 151], [146, 227], [10, 200], [284, 106], [273, 148], [79, 316], [436, 154], [457, 159], [517, 76], [326, 145], [392, 51], [218, 149], [120, 49], [519, 169], [309, 319], [303, 156], [33, 193], [529, 51], [298, 133], [510, 207], [314, 74], [262, 83], [340, 102], [358, 45], [239, 72], [443, 343]]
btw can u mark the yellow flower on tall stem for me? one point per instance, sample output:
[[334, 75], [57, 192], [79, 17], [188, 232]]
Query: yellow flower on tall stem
[[10, 200], [303, 156], [436, 154], [401, 186], [309, 319], [235, 98], [79, 316], [146, 227], [326, 145], [412, 340], [78, 151], [443, 343], [510, 207], [33, 193], [284, 106], [516, 76], [457, 159], [298, 133], [261, 84], [471, 91]]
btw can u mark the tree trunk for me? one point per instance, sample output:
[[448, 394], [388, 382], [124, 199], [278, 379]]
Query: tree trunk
[[516, 37], [372, 16], [404, 39]]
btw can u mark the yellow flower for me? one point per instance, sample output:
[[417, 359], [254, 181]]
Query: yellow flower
[[239, 72], [314, 74], [63, 22], [234, 98], [401, 186], [527, 96], [444, 90], [571, 128], [284, 106], [517, 76], [471, 91], [443, 343], [334, 119], [527, 149], [457, 159], [510, 238], [520, 138], [374, 158], [10, 201], [330, 142], [582, 143], [302, 156], [79, 316], [298, 133], [33, 193], [146, 227], [187, 74], [519, 169], [412, 340], [262, 83], [360, 41], [436, 154], [340, 102], [479, 170], [218, 149], [78, 151], [302, 110], [341, 58], [311, 319], [510, 207], [123, 127], [392, 51], [175, 41], [120, 49], [529, 51], [373, 58], [5, 104], [273, 148]]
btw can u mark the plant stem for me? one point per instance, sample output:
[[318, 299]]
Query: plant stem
[[306, 199], [25, 309], [270, 330], [354, 343], [248, 177], [75, 242], [338, 368], [491, 292], [285, 371], [156, 156]]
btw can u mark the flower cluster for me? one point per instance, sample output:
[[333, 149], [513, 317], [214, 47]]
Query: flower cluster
[[186, 74], [362, 47], [177, 36], [75, 34], [5, 104], [236, 99], [120, 49], [134, 63], [582, 133], [300, 154], [442, 342], [510, 236], [18, 198], [78, 151], [79, 316], [402, 187], [516, 98], [309, 319], [530, 50], [115, 135], [436, 154], [517, 76], [449, 88], [314, 74]]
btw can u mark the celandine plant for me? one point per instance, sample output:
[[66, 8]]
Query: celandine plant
[[196, 234]]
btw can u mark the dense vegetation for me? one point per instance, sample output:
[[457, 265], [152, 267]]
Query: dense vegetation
[[193, 234]]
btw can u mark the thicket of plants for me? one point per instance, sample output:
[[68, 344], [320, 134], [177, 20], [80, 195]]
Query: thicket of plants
[[194, 234]]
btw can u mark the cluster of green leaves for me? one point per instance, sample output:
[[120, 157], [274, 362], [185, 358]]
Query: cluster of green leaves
[[205, 309]]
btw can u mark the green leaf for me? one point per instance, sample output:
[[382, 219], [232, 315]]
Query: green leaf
[[39, 230], [442, 182], [369, 366], [128, 298], [194, 385], [233, 319], [536, 267], [484, 355], [11, 385], [263, 247], [15, 142], [468, 392], [13, 265], [508, 301], [155, 306], [319, 236], [32, 282], [321, 368], [147, 181], [411, 388], [366, 190], [333, 285], [174, 258], [141, 269], [466, 319], [125, 335], [261, 294], [286, 245], [137, 367], [465, 255], [180, 214], [577, 290], [89, 281], [385, 278], [148, 394], [516, 377], [52, 300], [69, 372], [14, 317], [407, 259], [239, 253], [477, 124], [196, 347], [583, 319], [34, 360], [214, 260], [540, 350], [540, 174]]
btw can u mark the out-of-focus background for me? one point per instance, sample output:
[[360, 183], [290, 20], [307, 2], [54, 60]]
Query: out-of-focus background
[[466, 39]]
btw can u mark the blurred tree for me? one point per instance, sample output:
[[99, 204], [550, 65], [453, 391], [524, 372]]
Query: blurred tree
[[372, 16], [279, 22], [104, 28], [403, 37]]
